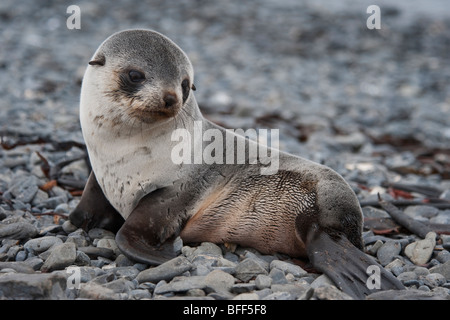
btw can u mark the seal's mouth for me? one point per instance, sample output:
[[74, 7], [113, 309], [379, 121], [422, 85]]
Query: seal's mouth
[[145, 108], [151, 114]]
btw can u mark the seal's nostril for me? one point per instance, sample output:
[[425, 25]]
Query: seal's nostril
[[170, 100]]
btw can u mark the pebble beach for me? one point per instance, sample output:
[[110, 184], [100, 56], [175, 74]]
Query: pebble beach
[[374, 105]]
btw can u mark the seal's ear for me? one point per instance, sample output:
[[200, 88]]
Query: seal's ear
[[193, 87], [99, 60]]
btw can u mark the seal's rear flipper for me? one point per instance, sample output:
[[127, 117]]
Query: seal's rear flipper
[[333, 254], [94, 210]]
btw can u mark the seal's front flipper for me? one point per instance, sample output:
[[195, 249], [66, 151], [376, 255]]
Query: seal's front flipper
[[94, 210], [351, 270], [146, 235]]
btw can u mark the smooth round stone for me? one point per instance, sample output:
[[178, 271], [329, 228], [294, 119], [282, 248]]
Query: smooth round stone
[[39, 245]]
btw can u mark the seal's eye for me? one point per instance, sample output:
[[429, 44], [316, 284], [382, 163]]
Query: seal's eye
[[185, 88], [136, 76]]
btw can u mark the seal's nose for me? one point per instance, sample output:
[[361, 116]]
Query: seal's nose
[[169, 100]]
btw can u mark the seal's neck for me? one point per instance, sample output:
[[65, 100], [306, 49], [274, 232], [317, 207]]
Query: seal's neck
[[133, 159]]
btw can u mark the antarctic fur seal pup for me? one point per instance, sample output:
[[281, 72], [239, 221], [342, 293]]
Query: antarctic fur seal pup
[[138, 89]]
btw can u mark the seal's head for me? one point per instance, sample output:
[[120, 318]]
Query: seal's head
[[136, 76]]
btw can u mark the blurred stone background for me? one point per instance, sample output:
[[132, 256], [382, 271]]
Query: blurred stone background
[[305, 67]]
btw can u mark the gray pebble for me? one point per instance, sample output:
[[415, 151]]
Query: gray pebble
[[287, 267], [407, 276], [96, 292], [104, 278], [140, 294], [396, 266], [231, 257], [147, 286], [421, 271], [18, 230], [22, 286], [165, 271], [88, 273], [7, 270], [61, 256], [279, 295], [39, 197], [12, 252], [204, 264], [330, 293], [200, 270], [120, 285], [421, 212], [3, 214], [128, 273], [218, 281], [295, 290], [371, 212], [25, 189], [195, 293], [374, 249], [442, 291], [445, 238], [264, 261], [445, 195], [247, 296], [62, 208], [206, 248], [98, 263], [262, 281], [34, 262], [424, 288], [181, 284], [123, 261], [50, 230], [78, 241], [77, 169], [6, 245], [243, 288], [419, 252], [21, 255], [53, 202], [413, 283], [20, 267], [78, 237], [98, 233], [230, 270], [249, 268], [277, 276], [433, 280], [310, 278], [387, 252], [39, 245], [138, 266], [442, 218], [109, 244], [443, 269], [322, 281]]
